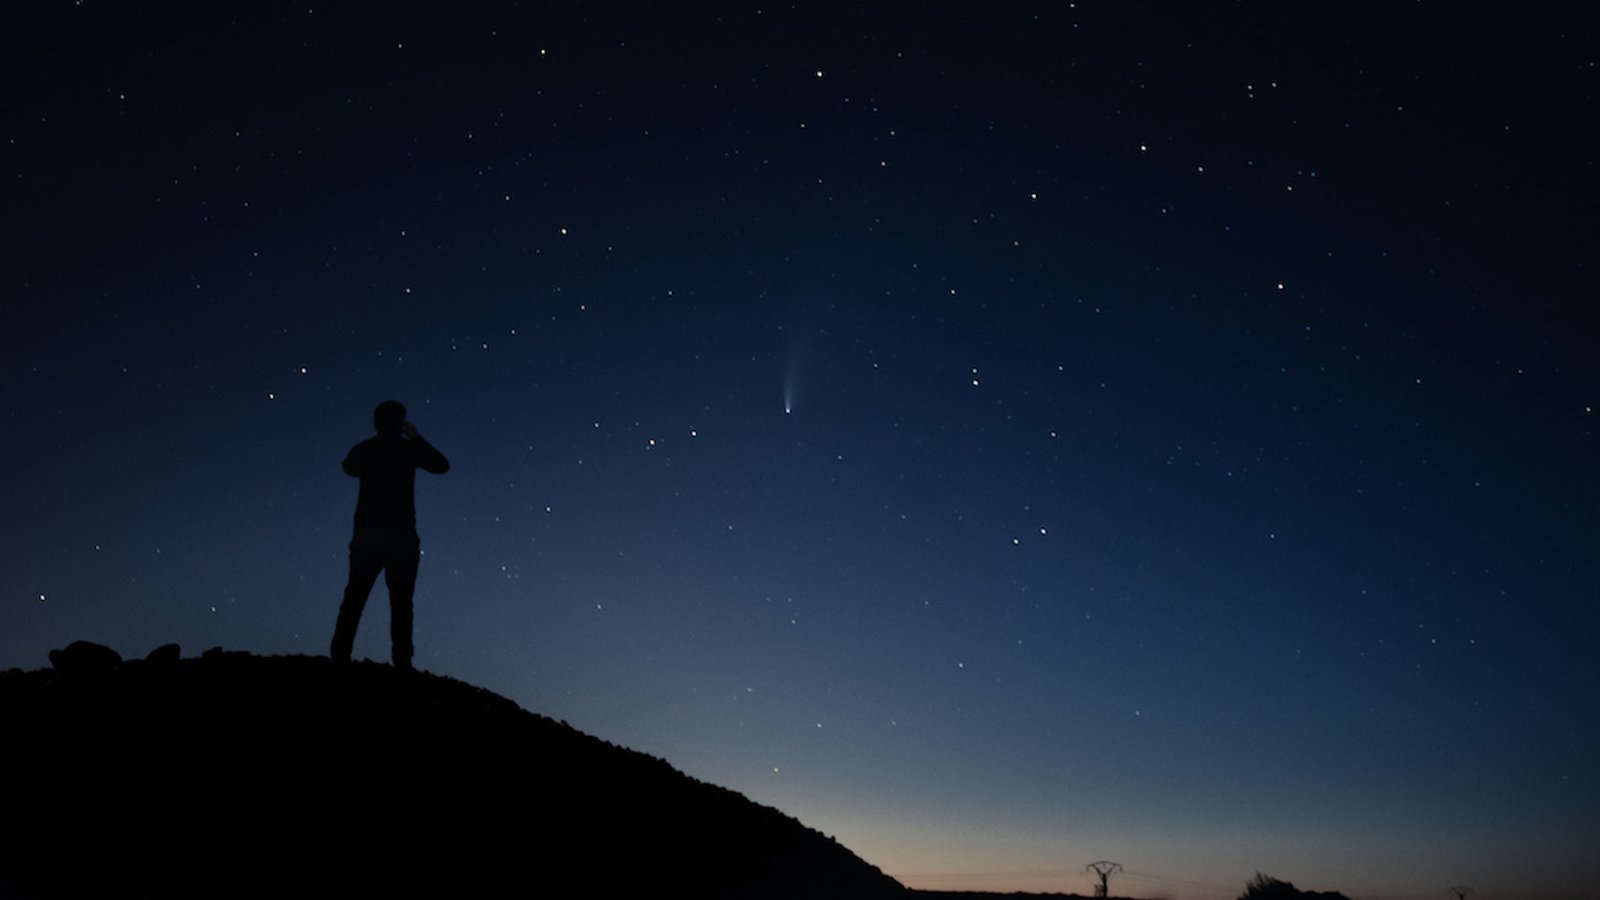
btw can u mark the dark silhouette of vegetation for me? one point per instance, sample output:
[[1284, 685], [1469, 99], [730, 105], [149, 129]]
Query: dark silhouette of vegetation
[[1265, 887]]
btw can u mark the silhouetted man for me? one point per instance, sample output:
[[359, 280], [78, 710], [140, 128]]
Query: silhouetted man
[[385, 537]]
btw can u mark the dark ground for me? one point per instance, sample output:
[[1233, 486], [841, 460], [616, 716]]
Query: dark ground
[[242, 776]]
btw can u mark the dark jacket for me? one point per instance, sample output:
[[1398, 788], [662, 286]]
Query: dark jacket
[[387, 466]]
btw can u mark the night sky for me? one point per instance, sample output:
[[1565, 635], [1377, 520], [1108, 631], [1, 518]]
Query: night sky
[[1003, 440]]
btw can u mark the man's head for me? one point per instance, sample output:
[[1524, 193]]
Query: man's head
[[388, 417]]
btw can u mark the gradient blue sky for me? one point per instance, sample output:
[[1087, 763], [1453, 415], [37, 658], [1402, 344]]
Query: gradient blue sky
[[1003, 440]]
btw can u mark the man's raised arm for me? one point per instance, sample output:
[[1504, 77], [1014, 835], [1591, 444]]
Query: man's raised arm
[[429, 459]]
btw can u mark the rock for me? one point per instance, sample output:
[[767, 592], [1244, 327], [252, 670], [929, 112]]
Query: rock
[[85, 658], [164, 654]]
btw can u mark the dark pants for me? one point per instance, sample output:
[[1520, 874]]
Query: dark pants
[[395, 554]]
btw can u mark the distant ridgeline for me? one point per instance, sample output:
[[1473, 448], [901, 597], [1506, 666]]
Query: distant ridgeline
[[231, 775]]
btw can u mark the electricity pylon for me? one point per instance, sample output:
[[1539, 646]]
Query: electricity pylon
[[1461, 892], [1104, 870]]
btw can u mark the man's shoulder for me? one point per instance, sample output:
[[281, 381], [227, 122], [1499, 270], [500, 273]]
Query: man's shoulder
[[389, 448], [372, 449]]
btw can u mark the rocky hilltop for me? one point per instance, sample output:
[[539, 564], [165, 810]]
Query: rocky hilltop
[[233, 775]]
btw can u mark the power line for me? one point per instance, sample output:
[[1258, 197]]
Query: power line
[[1414, 896], [1146, 876], [1008, 875]]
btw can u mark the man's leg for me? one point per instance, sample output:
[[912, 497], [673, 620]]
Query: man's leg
[[401, 577], [364, 568]]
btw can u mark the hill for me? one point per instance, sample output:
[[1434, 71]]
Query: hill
[[233, 775]]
